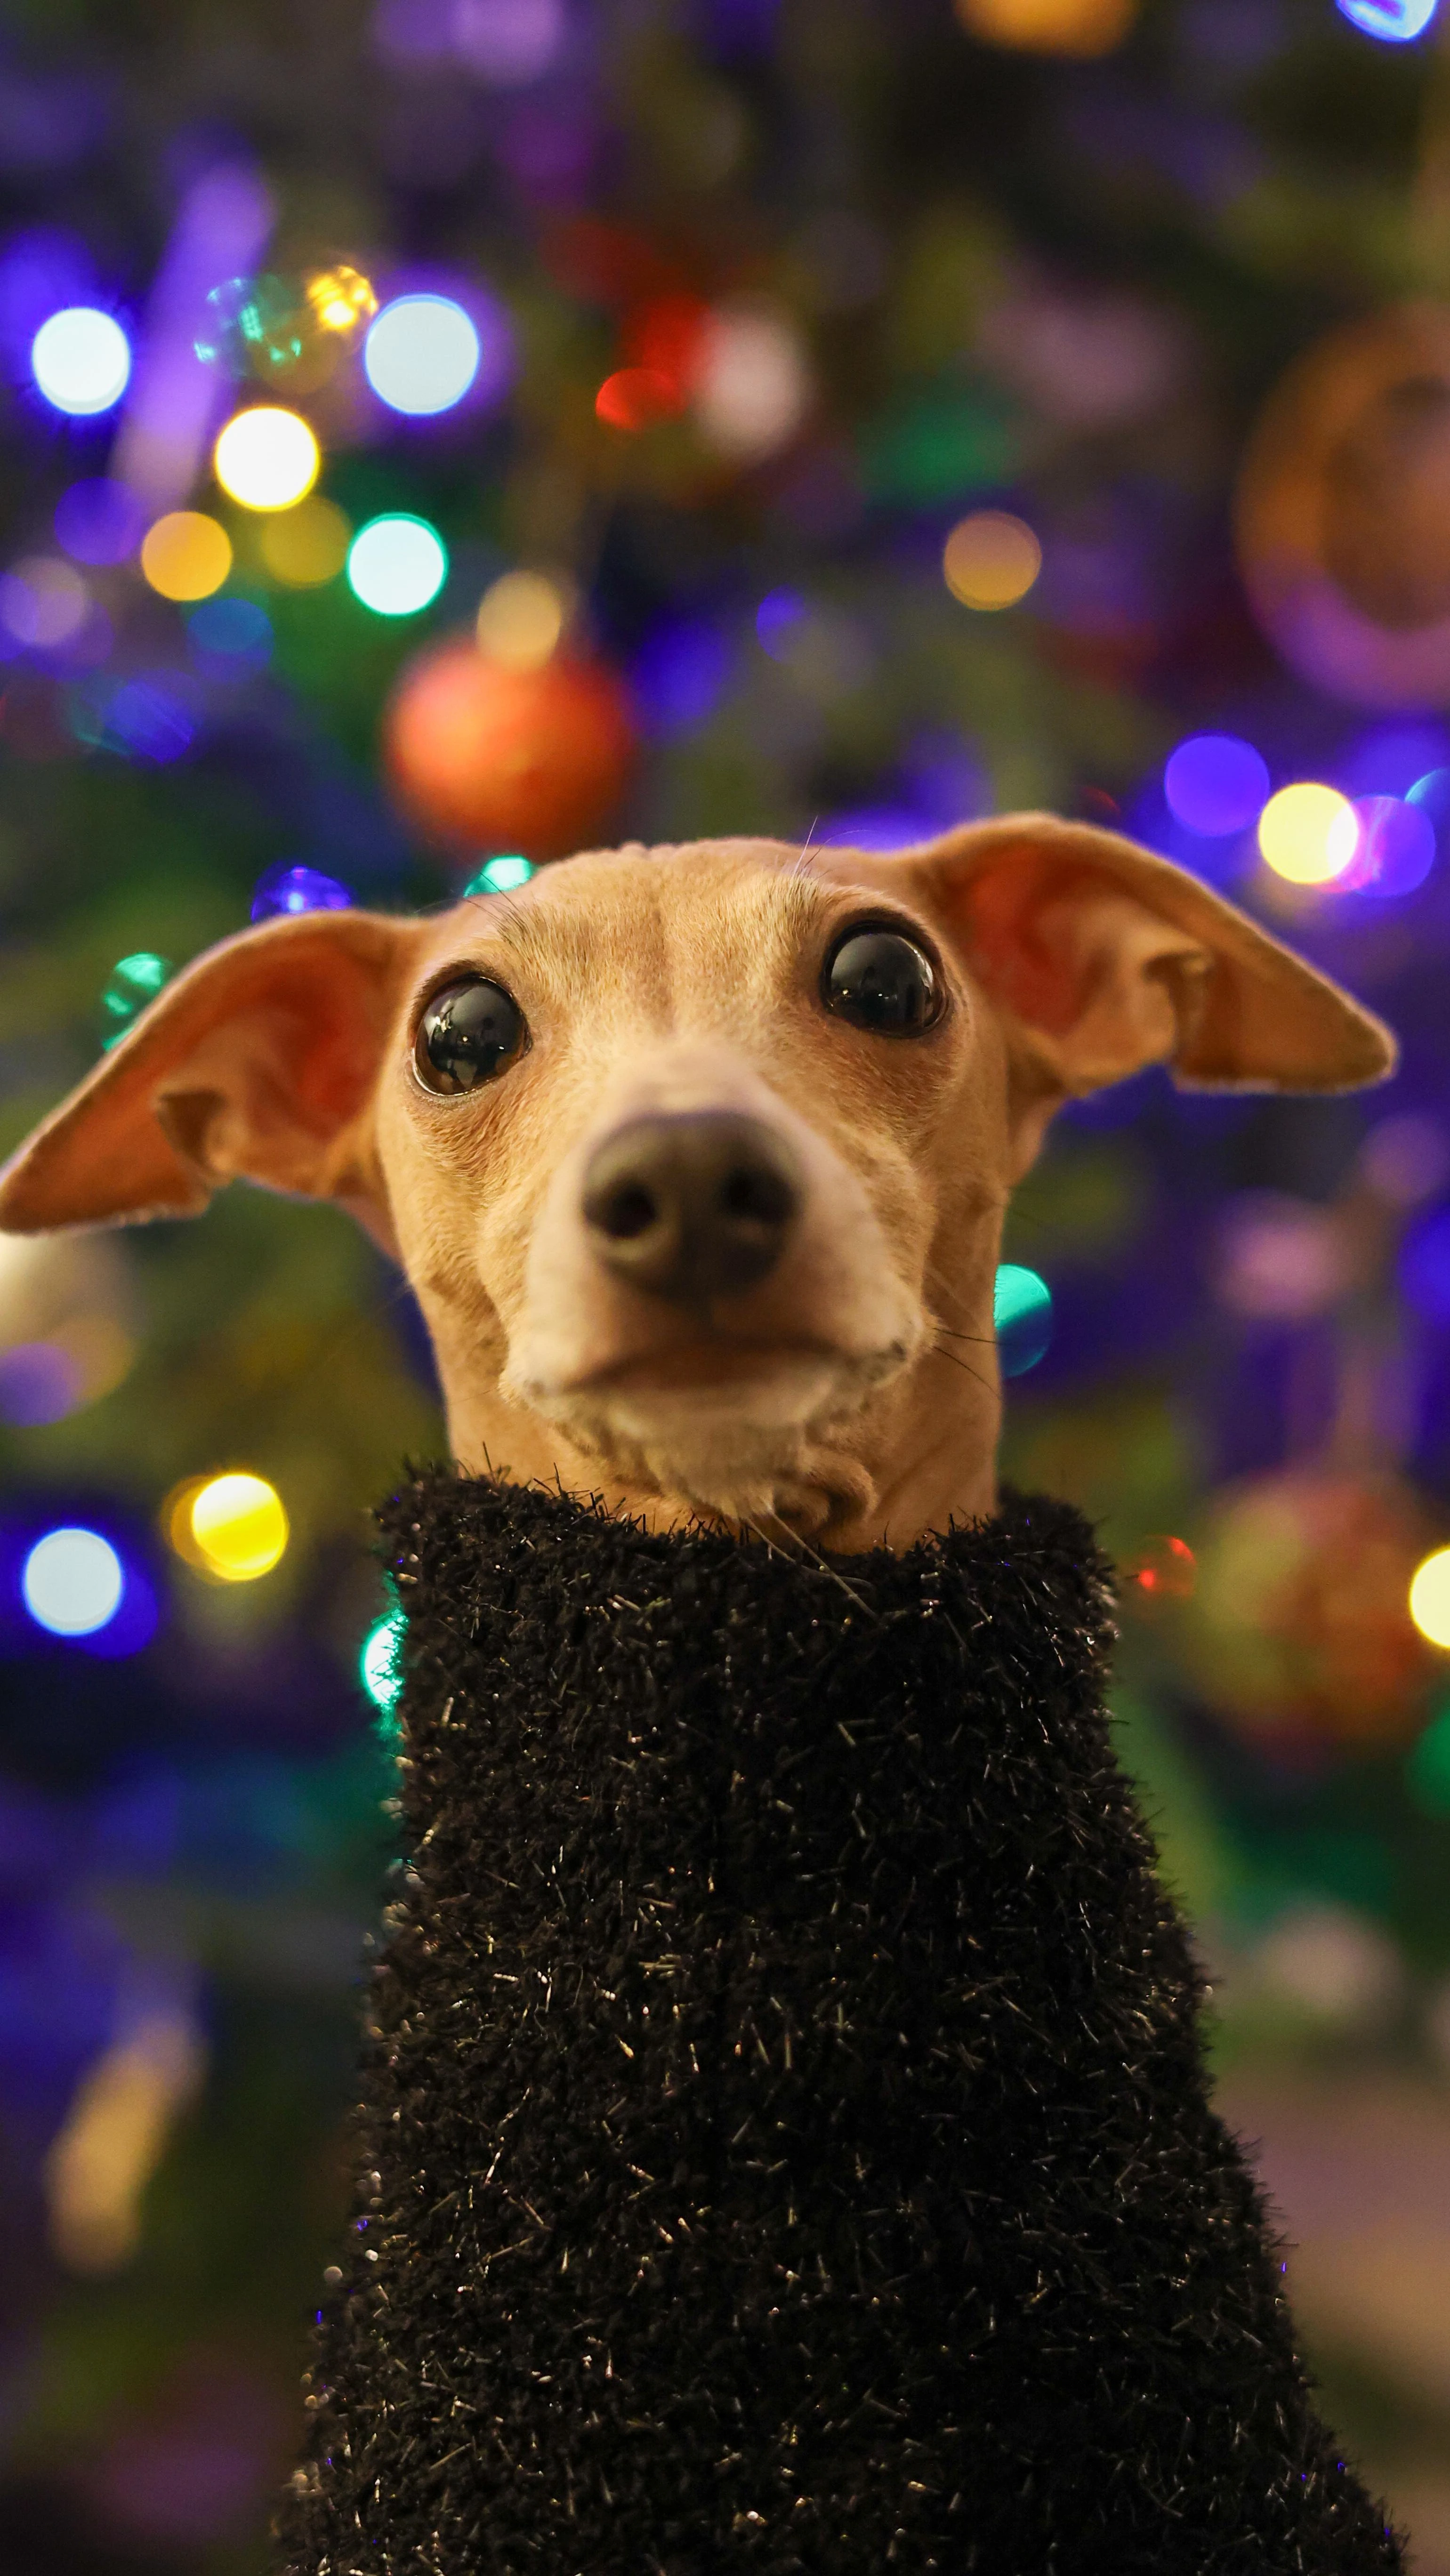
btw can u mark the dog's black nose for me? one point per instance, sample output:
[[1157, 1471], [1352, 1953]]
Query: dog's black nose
[[693, 1206]]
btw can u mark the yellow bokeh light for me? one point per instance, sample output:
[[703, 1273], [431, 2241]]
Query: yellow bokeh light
[[1430, 1597], [1308, 833], [991, 560], [1078, 27], [520, 620], [306, 546], [267, 457], [341, 297], [237, 1526], [186, 555]]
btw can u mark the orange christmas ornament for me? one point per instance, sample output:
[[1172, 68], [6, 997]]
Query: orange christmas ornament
[[489, 756]]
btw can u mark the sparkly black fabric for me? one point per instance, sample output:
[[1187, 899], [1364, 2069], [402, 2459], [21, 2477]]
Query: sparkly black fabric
[[785, 2133]]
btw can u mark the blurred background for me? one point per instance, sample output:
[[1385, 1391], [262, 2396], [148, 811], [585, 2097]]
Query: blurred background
[[437, 433]]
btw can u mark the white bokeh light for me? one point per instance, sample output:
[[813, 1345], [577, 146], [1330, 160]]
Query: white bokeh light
[[396, 565], [81, 360], [72, 1582], [421, 354]]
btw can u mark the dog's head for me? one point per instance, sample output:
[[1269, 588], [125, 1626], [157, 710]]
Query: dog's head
[[696, 1158]]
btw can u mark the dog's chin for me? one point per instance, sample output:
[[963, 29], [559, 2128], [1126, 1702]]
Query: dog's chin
[[754, 1444]]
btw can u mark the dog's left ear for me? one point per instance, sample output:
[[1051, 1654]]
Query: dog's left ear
[[1103, 958]]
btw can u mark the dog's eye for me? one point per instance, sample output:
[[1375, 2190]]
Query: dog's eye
[[466, 1035], [882, 981]]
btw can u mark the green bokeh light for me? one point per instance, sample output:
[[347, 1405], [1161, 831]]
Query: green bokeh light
[[134, 982], [1427, 1767], [500, 875], [380, 1669]]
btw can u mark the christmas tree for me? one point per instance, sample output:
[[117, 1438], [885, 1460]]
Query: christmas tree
[[441, 434]]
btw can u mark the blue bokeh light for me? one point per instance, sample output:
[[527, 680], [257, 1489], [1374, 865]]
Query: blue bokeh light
[[99, 521], [1396, 846], [1215, 784], [680, 674], [290, 888], [1394, 22], [778, 619], [1022, 1317], [1425, 1267], [81, 360], [230, 634], [421, 354]]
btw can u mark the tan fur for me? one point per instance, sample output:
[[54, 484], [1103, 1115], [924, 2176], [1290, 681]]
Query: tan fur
[[852, 1395]]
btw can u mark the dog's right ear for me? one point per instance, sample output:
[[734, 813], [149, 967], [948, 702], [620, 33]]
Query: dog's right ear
[[259, 1061]]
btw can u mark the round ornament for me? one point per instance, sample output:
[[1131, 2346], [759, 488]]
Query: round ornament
[[1299, 1632], [481, 753], [1343, 511]]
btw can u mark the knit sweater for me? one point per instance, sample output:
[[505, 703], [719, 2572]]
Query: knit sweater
[[785, 2139]]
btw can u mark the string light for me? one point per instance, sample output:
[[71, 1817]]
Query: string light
[[991, 560], [186, 555], [267, 457], [1308, 833], [81, 361], [521, 617], [396, 565], [1430, 1597], [232, 1526], [72, 1582], [421, 354]]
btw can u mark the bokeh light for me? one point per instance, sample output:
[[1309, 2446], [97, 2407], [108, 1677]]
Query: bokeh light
[[991, 560], [81, 360], [1021, 1316], [396, 565], [44, 603], [1308, 833], [421, 354], [1430, 1597], [237, 1526], [267, 457], [1072, 27], [521, 618], [72, 1582], [378, 1663], [778, 620], [1427, 1767], [307, 545], [1396, 849], [133, 982], [1163, 1569], [99, 521], [500, 875], [634, 398], [751, 382], [1394, 22], [340, 298], [186, 555], [289, 889], [229, 637], [1215, 784]]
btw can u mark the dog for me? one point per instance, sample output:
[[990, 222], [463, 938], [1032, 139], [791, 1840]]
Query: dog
[[696, 1158]]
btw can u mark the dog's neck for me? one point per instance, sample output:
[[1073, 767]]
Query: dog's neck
[[921, 1455]]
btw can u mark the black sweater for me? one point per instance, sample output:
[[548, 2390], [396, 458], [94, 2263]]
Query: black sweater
[[785, 2139]]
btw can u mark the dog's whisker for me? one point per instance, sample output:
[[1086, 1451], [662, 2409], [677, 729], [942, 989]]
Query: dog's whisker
[[957, 1362]]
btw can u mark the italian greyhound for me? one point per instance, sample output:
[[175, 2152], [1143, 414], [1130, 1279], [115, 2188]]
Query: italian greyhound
[[696, 1158]]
